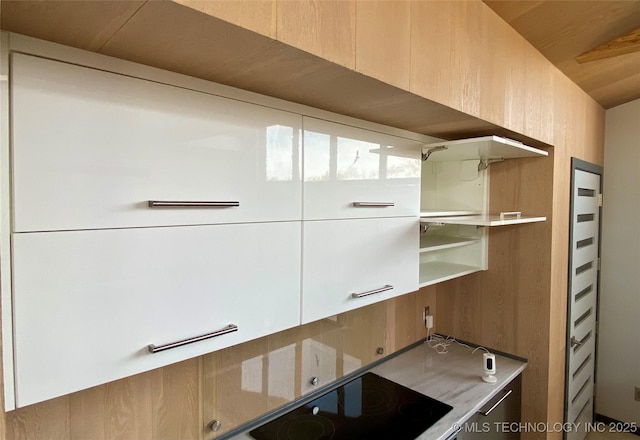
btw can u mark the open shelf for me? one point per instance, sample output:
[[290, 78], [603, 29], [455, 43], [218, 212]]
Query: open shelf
[[482, 148], [437, 243], [484, 220], [439, 271], [429, 213]]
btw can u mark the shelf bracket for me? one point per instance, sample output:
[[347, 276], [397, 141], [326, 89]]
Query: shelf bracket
[[484, 163], [425, 155]]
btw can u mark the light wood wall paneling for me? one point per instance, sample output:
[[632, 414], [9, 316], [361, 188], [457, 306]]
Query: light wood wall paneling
[[94, 23], [431, 63], [466, 53], [322, 27], [177, 402], [128, 407], [538, 93], [233, 385], [494, 67], [87, 414], [514, 92], [383, 34], [203, 39], [160, 404], [458, 303], [48, 420], [256, 15], [406, 325], [366, 330]]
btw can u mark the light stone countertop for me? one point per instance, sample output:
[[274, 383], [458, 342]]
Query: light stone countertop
[[453, 378]]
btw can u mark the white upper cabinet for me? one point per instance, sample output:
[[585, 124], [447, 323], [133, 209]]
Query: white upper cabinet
[[355, 173], [455, 203], [89, 304], [352, 263], [91, 149], [455, 181]]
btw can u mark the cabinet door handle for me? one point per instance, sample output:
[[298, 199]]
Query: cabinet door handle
[[191, 204], [516, 214], [372, 292], [575, 342], [495, 405], [373, 204], [158, 348]]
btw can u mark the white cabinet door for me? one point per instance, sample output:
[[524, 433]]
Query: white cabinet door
[[92, 148], [346, 257], [355, 173], [87, 304]]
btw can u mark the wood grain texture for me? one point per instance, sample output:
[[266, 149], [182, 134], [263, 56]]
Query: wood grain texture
[[494, 66], [94, 22], [256, 15], [47, 420], [627, 43], [431, 63], [383, 40], [495, 308], [564, 30], [203, 40], [234, 390], [325, 28], [466, 53], [177, 403]]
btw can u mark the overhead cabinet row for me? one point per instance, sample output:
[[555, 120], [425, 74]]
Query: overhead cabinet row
[[93, 150], [153, 223]]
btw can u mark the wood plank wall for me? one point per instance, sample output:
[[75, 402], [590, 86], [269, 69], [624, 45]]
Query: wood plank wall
[[457, 53]]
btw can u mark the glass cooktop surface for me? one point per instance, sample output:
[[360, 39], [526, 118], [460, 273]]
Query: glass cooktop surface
[[368, 407]]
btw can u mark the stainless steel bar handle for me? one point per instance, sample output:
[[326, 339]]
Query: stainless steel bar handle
[[158, 348], [191, 204], [507, 394], [372, 292], [373, 204]]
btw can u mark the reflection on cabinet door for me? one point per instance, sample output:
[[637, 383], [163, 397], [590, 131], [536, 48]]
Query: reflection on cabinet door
[[92, 148], [349, 264], [355, 173], [90, 306]]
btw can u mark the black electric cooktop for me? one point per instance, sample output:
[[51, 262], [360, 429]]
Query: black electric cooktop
[[369, 407]]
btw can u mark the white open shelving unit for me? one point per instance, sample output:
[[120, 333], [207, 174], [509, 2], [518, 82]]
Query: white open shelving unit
[[454, 205]]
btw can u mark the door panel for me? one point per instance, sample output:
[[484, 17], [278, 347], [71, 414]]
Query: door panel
[[92, 148], [87, 304], [582, 302]]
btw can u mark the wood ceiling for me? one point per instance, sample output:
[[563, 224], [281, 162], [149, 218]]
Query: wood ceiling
[[563, 30]]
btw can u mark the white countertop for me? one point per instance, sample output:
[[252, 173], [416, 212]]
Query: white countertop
[[453, 378]]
